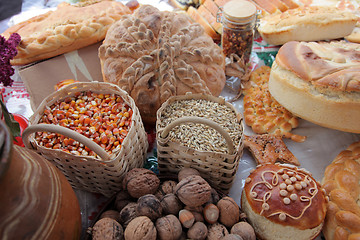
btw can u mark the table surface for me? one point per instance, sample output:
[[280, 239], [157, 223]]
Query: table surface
[[318, 151]]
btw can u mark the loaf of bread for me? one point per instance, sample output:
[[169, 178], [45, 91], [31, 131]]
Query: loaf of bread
[[342, 184], [155, 54], [307, 24], [319, 82], [283, 202], [68, 28]]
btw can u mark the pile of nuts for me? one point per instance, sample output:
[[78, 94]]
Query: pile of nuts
[[103, 118], [186, 208], [200, 136]]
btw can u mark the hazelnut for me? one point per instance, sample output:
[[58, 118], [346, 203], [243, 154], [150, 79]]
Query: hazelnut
[[140, 181], [122, 199], [113, 214], [198, 216], [107, 228], [229, 211], [198, 231], [168, 227], [184, 172], [128, 213], [211, 213], [244, 230], [148, 205], [198, 209], [216, 231], [232, 237], [193, 191], [186, 218], [171, 204], [140, 228]]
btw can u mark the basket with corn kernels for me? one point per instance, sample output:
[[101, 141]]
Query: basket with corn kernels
[[92, 132]]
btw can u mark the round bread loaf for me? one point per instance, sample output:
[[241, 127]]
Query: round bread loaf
[[342, 184], [154, 55], [283, 202], [319, 82]]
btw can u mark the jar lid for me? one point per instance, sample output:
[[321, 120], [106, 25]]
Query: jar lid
[[239, 10]]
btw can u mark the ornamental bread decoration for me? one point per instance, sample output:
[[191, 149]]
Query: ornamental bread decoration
[[65, 29], [154, 55]]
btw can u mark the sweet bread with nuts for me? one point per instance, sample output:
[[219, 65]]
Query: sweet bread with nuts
[[341, 182], [263, 113], [65, 29], [284, 202]]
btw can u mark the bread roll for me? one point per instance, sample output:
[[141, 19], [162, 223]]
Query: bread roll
[[154, 55], [319, 82], [68, 28], [307, 24], [283, 202], [342, 184]]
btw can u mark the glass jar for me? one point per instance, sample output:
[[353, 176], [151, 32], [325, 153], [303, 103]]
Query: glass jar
[[238, 18]]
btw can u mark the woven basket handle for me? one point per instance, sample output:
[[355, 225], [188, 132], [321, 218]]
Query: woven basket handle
[[66, 132], [205, 121]]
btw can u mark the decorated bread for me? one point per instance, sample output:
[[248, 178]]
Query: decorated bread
[[319, 82], [307, 24], [154, 55], [263, 113], [68, 28], [283, 202], [342, 184]]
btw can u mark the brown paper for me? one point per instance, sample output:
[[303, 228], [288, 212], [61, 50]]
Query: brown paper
[[40, 78]]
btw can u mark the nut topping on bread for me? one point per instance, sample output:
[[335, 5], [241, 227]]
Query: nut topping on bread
[[68, 28], [284, 202]]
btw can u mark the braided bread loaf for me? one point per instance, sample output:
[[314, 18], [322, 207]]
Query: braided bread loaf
[[154, 55], [342, 184], [66, 29]]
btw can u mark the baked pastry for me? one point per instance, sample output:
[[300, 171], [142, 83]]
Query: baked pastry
[[319, 82], [263, 113], [283, 202], [307, 24], [154, 55], [68, 28], [342, 184], [268, 148]]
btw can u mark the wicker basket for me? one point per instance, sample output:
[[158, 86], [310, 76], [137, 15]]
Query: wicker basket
[[217, 168], [85, 172]]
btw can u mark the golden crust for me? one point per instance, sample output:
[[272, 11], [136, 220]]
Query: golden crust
[[68, 28], [263, 113], [341, 182], [286, 195], [267, 148]]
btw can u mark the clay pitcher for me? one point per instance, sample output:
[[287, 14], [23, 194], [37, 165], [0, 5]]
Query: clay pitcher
[[36, 200]]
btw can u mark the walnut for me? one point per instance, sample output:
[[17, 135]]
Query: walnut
[[140, 228], [128, 213], [214, 196], [165, 188], [113, 214], [148, 205], [107, 228], [229, 211], [122, 199], [216, 231], [140, 181], [184, 172], [171, 204], [154, 55], [244, 230], [193, 191], [168, 227], [198, 231]]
